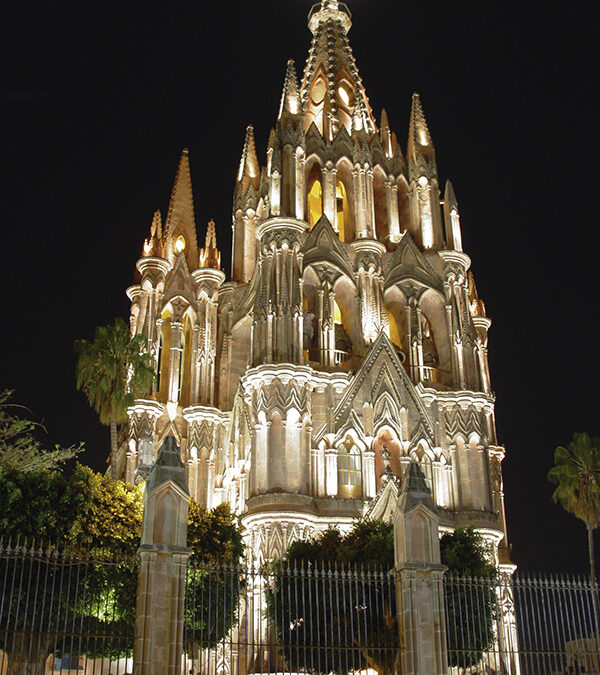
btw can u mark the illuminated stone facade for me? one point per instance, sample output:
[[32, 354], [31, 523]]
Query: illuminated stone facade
[[350, 339]]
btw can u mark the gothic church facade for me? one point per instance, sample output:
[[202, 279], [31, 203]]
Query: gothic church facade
[[350, 339]]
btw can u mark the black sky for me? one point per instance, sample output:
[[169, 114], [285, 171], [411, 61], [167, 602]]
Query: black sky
[[97, 101]]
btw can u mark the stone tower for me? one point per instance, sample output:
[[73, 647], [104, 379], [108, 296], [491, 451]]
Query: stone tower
[[350, 339]]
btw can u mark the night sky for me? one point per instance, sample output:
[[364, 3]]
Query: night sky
[[97, 101]]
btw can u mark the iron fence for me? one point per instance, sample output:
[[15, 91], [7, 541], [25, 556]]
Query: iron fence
[[65, 611], [314, 618], [529, 625]]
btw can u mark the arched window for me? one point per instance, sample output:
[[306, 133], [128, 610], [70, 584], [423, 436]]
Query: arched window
[[341, 205], [185, 364], [315, 203], [349, 470], [165, 352]]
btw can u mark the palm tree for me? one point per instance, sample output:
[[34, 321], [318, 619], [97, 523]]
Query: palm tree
[[576, 474], [113, 371]]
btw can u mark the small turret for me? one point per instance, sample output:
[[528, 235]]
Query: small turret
[[245, 205], [452, 219], [249, 171], [290, 97], [426, 226], [210, 256], [387, 140], [153, 246]]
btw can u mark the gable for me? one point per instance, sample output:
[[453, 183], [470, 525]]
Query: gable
[[407, 262], [382, 381], [179, 281], [323, 248]]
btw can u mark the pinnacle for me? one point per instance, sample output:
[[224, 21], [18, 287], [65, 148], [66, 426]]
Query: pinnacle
[[384, 120], [210, 255], [180, 216], [449, 196], [290, 97], [418, 124], [249, 171]]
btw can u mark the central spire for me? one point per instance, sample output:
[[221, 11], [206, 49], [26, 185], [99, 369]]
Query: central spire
[[332, 91], [329, 9]]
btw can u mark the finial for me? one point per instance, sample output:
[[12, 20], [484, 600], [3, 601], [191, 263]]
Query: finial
[[210, 256], [249, 171], [329, 9], [418, 123], [290, 98]]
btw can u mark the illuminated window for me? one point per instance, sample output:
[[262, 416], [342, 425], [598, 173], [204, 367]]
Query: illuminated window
[[395, 335], [315, 203], [337, 314], [349, 470], [179, 244], [344, 95], [165, 351], [343, 212], [185, 365]]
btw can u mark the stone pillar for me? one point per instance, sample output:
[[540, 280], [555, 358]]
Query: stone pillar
[[163, 556], [419, 579]]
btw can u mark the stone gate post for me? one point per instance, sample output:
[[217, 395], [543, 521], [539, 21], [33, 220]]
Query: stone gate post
[[419, 579], [163, 555]]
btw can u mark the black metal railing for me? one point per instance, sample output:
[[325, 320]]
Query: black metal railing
[[66, 611], [522, 624], [61, 609], [319, 619]]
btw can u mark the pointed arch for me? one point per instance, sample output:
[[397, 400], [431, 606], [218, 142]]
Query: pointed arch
[[395, 308], [403, 204], [349, 469], [387, 439], [314, 190], [164, 353], [382, 227], [433, 308], [345, 200]]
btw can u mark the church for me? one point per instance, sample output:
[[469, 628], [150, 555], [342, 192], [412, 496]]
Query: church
[[350, 339]]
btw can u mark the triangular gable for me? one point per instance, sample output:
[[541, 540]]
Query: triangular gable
[[382, 365], [342, 145], [385, 501], [407, 262], [323, 246], [179, 281]]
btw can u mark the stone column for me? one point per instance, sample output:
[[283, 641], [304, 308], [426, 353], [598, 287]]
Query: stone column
[[163, 556], [419, 579]]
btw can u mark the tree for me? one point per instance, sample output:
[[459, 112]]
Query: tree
[[338, 590], [470, 596], [576, 474], [97, 521], [19, 449], [113, 371], [214, 581], [332, 605]]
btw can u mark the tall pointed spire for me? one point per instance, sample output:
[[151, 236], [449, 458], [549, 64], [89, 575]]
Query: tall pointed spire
[[290, 97], [386, 135], [452, 219], [249, 171], [210, 256], [419, 138], [180, 221], [331, 85]]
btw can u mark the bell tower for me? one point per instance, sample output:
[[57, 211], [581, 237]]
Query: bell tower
[[350, 341]]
